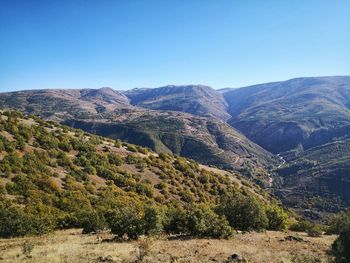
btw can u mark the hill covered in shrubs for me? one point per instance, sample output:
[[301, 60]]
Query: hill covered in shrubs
[[55, 177]]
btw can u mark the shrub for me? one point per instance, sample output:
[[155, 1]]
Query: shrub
[[243, 212], [202, 221], [301, 226], [338, 222], [15, 222], [154, 220], [131, 148], [341, 246], [315, 231], [127, 219], [93, 222], [175, 220], [277, 218], [27, 248], [144, 189]]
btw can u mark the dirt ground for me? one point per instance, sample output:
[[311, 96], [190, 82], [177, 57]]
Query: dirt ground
[[72, 246]]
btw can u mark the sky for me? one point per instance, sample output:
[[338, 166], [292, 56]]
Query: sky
[[125, 44]]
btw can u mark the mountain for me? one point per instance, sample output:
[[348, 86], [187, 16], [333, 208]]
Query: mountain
[[206, 140], [316, 182], [64, 103], [109, 113], [306, 121], [280, 116], [55, 177], [195, 99]]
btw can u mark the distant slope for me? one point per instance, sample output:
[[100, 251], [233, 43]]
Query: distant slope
[[64, 103], [280, 116], [194, 99], [206, 140], [109, 113], [317, 179]]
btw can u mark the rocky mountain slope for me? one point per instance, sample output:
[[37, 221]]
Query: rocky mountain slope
[[306, 121], [109, 113], [283, 115], [62, 104], [195, 99], [206, 140]]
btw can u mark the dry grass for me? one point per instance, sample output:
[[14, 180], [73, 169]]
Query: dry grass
[[72, 246]]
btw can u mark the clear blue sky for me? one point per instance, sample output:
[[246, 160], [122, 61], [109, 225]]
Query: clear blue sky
[[130, 43]]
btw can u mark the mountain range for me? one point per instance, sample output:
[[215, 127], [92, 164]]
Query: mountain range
[[293, 133]]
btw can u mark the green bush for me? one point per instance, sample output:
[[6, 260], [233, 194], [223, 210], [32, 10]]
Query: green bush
[[338, 223], [277, 218], [15, 222], [341, 246], [154, 220], [93, 222], [301, 226], [202, 221], [127, 219], [315, 231], [243, 212], [175, 220]]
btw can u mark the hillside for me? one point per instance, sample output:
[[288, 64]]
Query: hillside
[[315, 182], [55, 177], [107, 112], [62, 104], [206, 140], [300, 120], [306, 121], [195, 99], [280, 116]]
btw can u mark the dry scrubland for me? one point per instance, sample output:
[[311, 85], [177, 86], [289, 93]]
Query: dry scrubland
[[72, 246]]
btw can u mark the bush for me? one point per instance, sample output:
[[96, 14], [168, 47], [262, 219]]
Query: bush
[[301, 226], [15, 222], [154, 220], [277, 218], [338, 223], [315, 231], [202, 221], [243, 212], [175, 220], [93, 222], [128, 219], [131, 148], [341, 246], [312, 229]]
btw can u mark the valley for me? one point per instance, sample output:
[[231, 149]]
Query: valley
[[295, 130]]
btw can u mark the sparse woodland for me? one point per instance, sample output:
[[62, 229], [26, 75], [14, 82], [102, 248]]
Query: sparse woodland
[[54, 177]]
